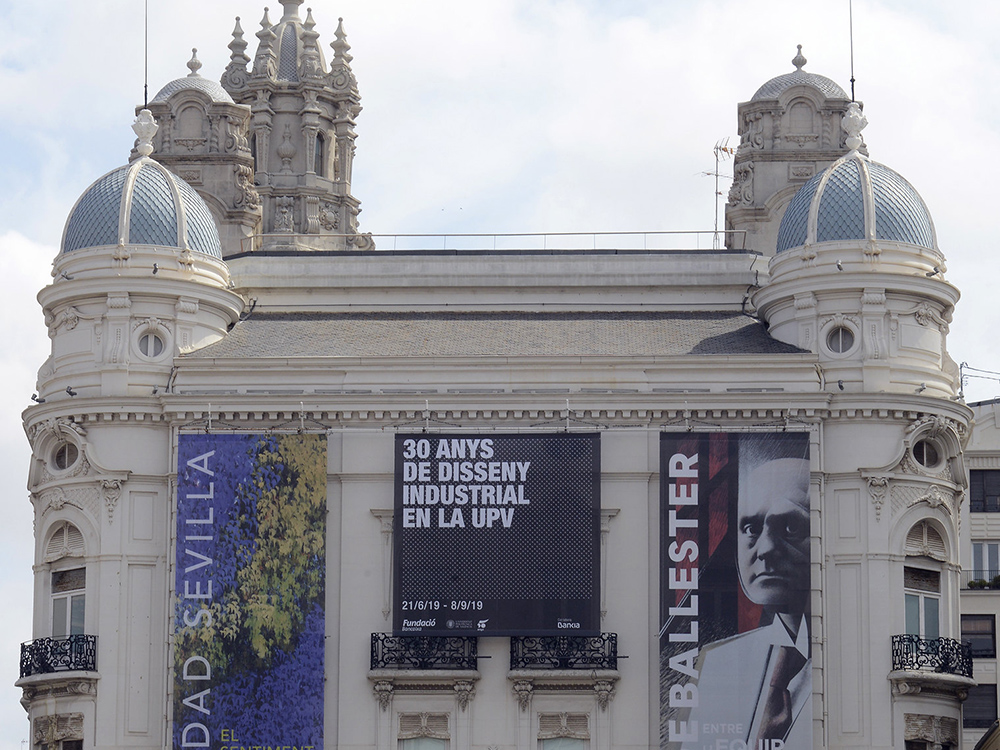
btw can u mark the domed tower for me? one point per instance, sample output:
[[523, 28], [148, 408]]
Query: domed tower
[[139, 279], [858, 279], [202, 137], [789, 131], [302, 126]]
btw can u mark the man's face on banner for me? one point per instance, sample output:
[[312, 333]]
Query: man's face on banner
[[773, 546]]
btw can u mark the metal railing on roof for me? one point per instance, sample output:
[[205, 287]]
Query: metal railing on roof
[[679, 240]]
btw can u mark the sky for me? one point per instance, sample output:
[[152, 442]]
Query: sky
[[493, 116]]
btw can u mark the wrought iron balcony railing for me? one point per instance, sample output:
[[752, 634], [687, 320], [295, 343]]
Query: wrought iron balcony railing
[[944, 655], [423, 652], [564, 652], [47, 655]]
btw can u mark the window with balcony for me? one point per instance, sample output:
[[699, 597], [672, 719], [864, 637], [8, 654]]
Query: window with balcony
[[922, 600], [980, 632], [68, 602], [985, 561], [984, 490]]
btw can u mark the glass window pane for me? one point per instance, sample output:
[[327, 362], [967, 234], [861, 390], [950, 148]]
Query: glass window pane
[[977, 560], [912, 614], [59, 617], [993, 557], [931, 628], [563, 743], [76, 615], [423, 743], [980, 708]]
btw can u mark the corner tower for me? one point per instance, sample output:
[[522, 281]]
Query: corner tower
[[301, 132], [789, 131]]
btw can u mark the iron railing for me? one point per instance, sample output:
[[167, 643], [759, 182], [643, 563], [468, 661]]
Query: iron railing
[[423, 652], [47, 655], [945, 655], [981, 579], [564, 652]]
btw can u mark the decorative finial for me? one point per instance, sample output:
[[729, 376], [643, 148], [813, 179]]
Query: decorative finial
[[194, 64], [239, 45], [145, 128], [853, 122], [265, 22], [341, 49], [309, 24], [799, 61]]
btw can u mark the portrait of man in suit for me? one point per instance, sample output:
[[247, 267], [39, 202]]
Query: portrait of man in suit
[[757, 684]]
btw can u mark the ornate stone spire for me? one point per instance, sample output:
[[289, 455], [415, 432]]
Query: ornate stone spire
[[145, 128], [311, 66], [265, 65], [235, 76]]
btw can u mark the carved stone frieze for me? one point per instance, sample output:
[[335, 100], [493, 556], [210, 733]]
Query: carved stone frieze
[[52, 729], [938, 731], [86, 499], [283, 219], [112, 491], [247, 196], [329, 217]]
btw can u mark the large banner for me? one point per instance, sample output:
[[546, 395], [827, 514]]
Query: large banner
[[497, 534], [249, 591], [735, 660]]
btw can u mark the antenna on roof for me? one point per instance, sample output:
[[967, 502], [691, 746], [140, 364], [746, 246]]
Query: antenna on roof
[[850, 16], [722, 150], [145, 75]]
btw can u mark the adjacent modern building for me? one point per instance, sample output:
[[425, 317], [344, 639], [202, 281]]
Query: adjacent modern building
[[294, 487]]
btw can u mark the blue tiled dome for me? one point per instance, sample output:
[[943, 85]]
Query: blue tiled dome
[[142, 203], [832, 207]]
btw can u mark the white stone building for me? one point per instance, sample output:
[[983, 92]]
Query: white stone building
[[219, 284]]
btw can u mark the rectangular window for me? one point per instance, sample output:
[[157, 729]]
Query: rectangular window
[[980, 631], [984, 490], [985, 560], [68, 602], [980, 708]]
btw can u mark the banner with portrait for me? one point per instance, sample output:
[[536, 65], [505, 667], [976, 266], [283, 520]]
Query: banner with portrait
[[735, 551], [249, 606], [497, 534]]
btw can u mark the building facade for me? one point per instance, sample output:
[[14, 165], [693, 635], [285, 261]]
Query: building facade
[[215, 309]]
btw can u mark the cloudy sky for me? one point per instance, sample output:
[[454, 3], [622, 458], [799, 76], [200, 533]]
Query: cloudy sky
[[494, 116]]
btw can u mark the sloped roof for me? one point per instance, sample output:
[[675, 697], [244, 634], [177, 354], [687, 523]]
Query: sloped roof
[[506, 334]]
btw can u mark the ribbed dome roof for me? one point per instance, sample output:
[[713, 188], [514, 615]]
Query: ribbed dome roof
[[798, 77], [142, 203], [856, 199], [194, 81]]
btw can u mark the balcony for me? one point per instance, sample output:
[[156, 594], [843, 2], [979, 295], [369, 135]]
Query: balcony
[[51, 655], [982, 580], [912, 653], [564, 652], [423, 652]]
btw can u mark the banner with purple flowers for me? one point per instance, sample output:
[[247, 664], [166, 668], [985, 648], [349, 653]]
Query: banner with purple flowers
[[249, 591]]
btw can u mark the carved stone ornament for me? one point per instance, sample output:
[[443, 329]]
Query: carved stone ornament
[[853, 122], [112, 491], [926, 315], [50, 730], [465, 691], [383, 691], [741, 191], [247, 196], [145, 128], [283, 220], [877, 488], [362, 241], [329, 218], [523, 690], [605, 690]]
